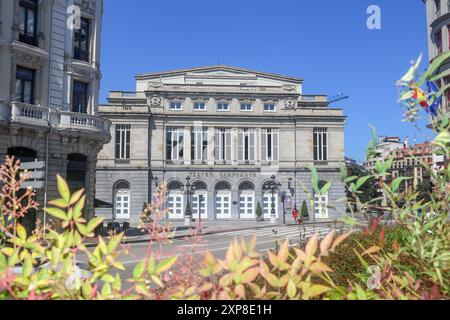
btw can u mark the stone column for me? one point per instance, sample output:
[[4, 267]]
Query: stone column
[[234, 146]]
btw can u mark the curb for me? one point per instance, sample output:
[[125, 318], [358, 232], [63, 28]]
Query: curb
[[130, 240]]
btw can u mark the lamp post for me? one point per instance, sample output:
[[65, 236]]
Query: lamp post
[[283, 198], [201, 198], [273, 186], [188, 211]]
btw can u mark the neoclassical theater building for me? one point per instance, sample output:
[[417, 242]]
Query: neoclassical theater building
[[230, 130]]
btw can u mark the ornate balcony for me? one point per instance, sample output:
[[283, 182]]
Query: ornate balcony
[[84, 123], [29, 115]]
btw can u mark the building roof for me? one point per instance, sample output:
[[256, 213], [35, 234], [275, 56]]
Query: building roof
[[144, 76]]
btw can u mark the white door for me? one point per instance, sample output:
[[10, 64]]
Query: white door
[[122, 204], [175, 204], [321, 206], [223, 204], [267, 204], [200, 206], [247, 205]]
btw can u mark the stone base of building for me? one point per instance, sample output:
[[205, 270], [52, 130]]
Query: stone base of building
[[222, 195], [72, 157]]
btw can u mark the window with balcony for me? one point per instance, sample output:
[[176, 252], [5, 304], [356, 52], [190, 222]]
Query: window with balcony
[[175, 145], [223, 106], [199, 106], [222, 146], [439, 42], [199, 145], [270, 145], [79, 97], [246, 107], [28, 21], [176, 106], [25, 85], [123, 141], [81, 45], [246, 145], [320, 144]]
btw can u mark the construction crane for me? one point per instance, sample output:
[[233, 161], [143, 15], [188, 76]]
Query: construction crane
[[337, 97]]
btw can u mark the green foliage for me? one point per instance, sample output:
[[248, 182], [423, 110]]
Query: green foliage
[[259, 213], [304, 210]]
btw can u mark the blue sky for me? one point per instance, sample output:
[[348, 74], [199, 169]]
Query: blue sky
[[326, 43]]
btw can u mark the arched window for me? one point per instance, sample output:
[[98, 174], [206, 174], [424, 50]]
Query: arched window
[[247, 200], [76, 171], [175, 200], [270, 201], [223, 200], [321, 203], [22, 154], [200, 200], [122, 200]]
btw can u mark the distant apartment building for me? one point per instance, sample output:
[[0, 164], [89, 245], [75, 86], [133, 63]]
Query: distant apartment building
[[438, 26], [408, 161], [229, 130], [49, 90]]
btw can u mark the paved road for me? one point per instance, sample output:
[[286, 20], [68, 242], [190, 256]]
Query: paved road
[[219, 243]]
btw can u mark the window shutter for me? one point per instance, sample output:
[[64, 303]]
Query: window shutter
[[128, 143], [240, 145], [117, 143], [228, 145], [217, 145], [264, 144], [275, 145], [252, 145]]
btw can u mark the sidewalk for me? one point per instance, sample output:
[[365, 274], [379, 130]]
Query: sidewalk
[[208, 228]]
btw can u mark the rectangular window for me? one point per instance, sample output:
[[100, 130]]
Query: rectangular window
[[439, 42], [222, 150], [199, 106], [223, 107], [123, 141], [176, 106], [175, 144], [199, 144], [270, 145], [320, 144], [79, 97], [246, 145], [28, 21], [269, 107], [246, 107], [81, 45], [25, 85]]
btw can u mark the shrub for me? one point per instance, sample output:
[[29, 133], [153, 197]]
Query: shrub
[[304, 211], [259, 213]]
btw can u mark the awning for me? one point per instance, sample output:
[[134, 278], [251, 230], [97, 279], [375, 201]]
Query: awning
[[99, 204]]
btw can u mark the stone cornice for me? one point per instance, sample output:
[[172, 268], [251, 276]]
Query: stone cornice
[[29, 54]]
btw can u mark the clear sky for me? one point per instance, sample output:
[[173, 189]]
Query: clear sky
[[325, 42]]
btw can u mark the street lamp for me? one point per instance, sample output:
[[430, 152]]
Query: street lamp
[[201, 198], [283, 198], [188, 210], [273, 187]]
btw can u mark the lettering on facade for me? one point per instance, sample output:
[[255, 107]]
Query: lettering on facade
[[223, 175]]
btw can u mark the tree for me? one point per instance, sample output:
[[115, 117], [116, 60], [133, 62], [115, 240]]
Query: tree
[[424, 189], [304, 212], [259, 214]]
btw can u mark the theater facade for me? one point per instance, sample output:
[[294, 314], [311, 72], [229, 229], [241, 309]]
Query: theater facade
[[219, 137]]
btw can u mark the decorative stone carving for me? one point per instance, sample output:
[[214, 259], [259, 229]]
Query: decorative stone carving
[[154, 85], [290, 103], [28, 55], [82, 69], [87, 6], [155, 101]]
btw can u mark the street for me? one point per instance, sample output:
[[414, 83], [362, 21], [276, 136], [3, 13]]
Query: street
[[218, 243]]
